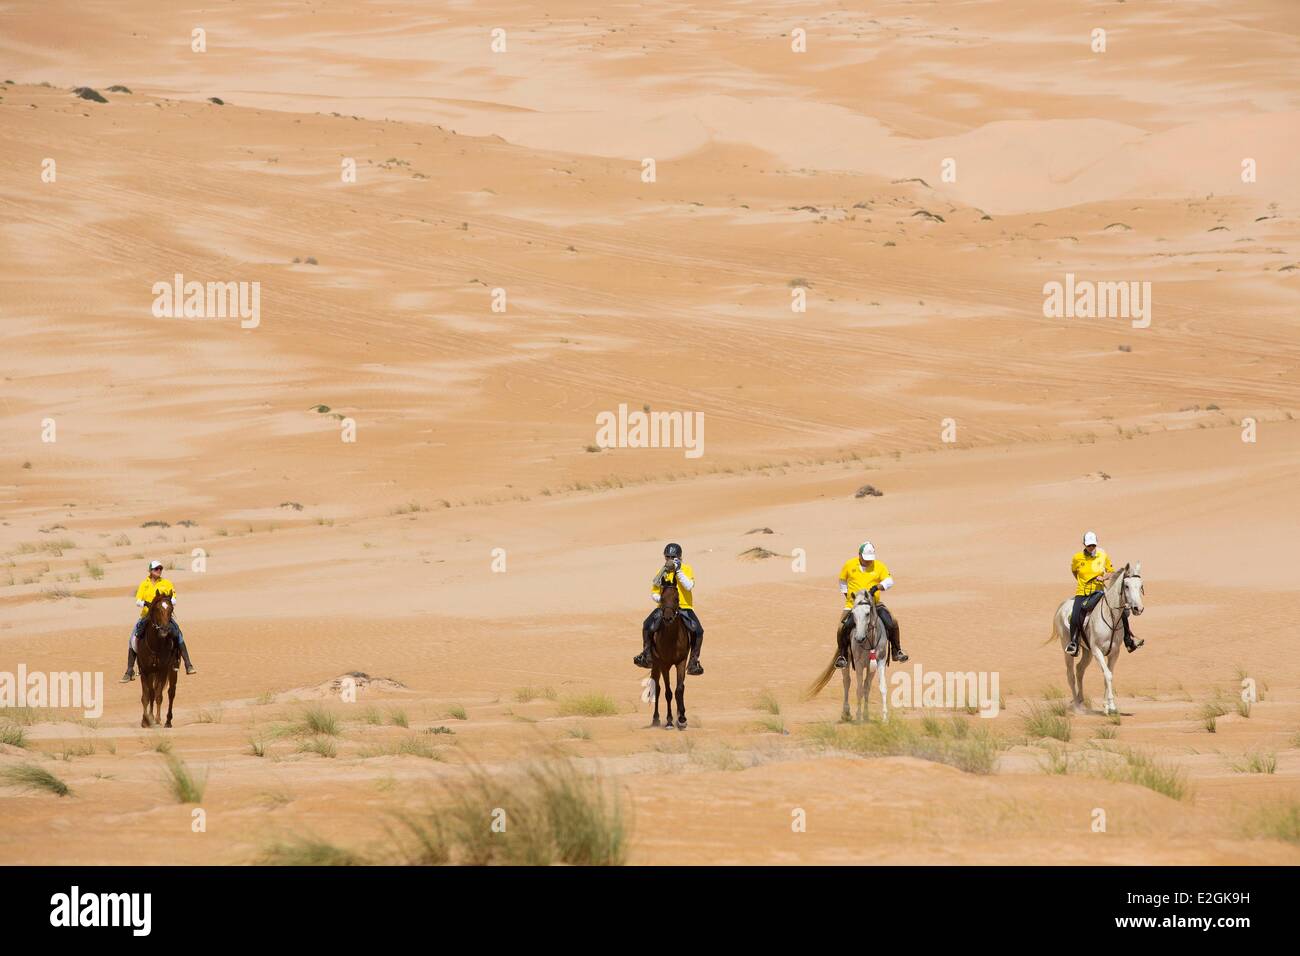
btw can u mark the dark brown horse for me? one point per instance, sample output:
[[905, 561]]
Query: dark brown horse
[[672, 643], [158, 657]]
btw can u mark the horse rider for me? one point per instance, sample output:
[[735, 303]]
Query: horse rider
[[865, 573], [683, 575], [150, 588], [1092, 570]]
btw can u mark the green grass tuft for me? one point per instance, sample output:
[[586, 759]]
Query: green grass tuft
[[588, 705], [31, 777], [182, 783]]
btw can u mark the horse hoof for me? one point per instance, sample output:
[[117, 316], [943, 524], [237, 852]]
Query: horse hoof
[[668, 725], [168, 724], [655, 722], [681, 724]]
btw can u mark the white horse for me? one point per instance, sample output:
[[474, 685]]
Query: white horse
[[1103, 633], [868, 654]]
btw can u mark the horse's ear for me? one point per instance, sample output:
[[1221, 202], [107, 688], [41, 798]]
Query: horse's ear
[[1126, 569]]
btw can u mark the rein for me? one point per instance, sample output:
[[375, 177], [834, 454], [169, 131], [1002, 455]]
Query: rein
[[1123, 607]]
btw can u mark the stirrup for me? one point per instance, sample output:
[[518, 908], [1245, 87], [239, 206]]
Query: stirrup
[[695, 668], [1134, 644], [1072, 648], [899, 655], [841, 662], [127, 677], [191, 669]]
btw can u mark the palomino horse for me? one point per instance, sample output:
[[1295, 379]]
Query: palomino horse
[[158, 657], [868, 654], [672, 642], [1103, 633]]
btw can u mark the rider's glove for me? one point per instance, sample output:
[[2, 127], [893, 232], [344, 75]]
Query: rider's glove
[[139, 603], [677, 564], [874, 589]]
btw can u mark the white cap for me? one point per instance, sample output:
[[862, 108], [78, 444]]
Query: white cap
[[1089, 537], [154, 564], [867, 552]]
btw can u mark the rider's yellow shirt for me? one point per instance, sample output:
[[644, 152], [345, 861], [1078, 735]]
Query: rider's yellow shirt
[[1086, 570], [859, 578], [149, 587], [684, 597]]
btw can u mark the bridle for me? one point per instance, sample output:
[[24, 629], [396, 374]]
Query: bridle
[[158, 627], [1124, 605], [872, 625]]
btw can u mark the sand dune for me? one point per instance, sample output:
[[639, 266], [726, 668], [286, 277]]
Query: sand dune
[[923, 364]]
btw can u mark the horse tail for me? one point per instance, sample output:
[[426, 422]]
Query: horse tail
[[824, 678]]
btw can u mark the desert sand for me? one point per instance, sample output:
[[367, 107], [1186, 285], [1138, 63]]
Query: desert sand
[[475, 551]]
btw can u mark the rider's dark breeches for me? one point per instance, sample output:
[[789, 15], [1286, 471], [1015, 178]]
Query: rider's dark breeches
[[176, 630], [651, 623], [1083, 603]]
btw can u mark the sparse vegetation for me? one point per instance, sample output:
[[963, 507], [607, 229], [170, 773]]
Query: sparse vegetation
[[457, 712], [588, 705], [974, 750], [324, 746], [1147, 771], [307, 851], [1279, 821], [555, 814], [317, 720], [1050, 719], [766, 700], [1210, 715], [183, 784], [31, 777], [1256, 762]]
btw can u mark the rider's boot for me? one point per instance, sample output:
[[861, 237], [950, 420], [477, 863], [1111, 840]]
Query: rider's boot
[[185, 653], [1072, 648], [1131, 642], [842, 637], [130, 667], [643, 659], [896, 652], [693, 665]]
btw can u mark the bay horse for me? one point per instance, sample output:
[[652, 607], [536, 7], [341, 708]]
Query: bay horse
[[671, 645], [158, 657], [1103, 633]]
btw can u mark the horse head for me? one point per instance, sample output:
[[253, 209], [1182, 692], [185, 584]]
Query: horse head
[[1132, 588], [669, 603], [160, 611], [864, 615]]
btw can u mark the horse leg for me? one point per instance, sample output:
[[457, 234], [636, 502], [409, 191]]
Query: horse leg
[[144, 701], [846, 714], [668, 697], [862, 677], [171, 696], [881, 667], [654, 676], [1108, 704], [681, 696], [1081, 665]]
